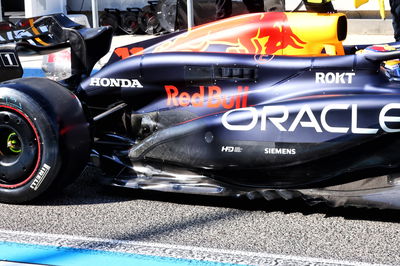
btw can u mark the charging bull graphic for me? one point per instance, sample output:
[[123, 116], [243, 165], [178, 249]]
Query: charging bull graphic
[[275, 33], [261, 33]]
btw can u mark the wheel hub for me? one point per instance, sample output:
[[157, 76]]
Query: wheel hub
[[18, 148], [14, 143]]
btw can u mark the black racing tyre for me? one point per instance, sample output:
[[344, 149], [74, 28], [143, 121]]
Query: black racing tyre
[[38, 152], [148, 21], [111, 17], [129, 21], [167, 14]]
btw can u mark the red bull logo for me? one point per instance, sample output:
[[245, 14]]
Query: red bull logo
[[211, 97], [279, 36]]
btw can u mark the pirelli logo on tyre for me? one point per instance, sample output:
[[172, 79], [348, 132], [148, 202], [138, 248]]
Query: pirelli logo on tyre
[[40, 177]]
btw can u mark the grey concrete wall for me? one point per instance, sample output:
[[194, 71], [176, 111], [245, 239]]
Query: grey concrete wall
[[370, 26]]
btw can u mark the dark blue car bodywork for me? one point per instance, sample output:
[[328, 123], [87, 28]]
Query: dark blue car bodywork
[[321, 128]]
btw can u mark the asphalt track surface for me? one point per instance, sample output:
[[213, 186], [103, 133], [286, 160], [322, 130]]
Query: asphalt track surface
[[87, 209]]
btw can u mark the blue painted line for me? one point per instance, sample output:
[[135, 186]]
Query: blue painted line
[[33, 72], [41, 254], [37, 72]]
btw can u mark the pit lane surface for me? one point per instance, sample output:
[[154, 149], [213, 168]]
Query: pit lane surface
[[87, 209]]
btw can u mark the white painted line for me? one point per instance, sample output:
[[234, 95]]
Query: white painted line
[[11, 263], [167, 250]]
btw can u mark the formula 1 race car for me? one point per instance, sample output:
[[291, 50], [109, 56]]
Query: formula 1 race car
[[260, 105]]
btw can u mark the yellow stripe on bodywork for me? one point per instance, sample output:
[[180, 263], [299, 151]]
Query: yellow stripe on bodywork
[[35, 31]]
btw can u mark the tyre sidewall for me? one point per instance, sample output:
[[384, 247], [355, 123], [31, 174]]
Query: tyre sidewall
[[49, 163]]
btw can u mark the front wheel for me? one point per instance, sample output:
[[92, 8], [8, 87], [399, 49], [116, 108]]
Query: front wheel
[[44, 140]]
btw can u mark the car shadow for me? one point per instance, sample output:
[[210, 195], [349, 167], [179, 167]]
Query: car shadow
[[87, 190], [278, 205]]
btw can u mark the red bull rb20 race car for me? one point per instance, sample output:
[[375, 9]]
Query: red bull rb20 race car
[[265, 105]]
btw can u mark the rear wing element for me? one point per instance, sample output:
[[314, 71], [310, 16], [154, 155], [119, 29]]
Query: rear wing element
[[48, 34], [38, 34]]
